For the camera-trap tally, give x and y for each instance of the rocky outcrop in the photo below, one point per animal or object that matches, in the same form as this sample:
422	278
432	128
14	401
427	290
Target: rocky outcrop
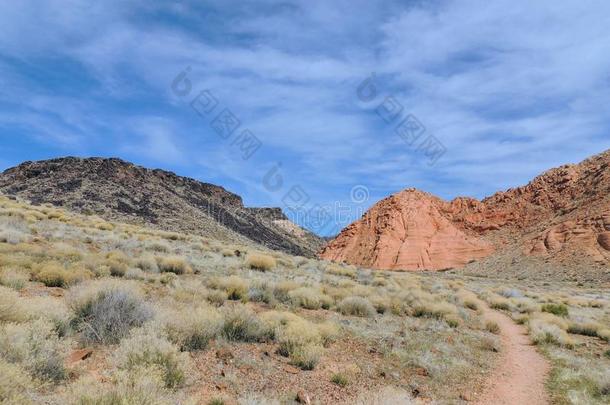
407	231
121	191
563	215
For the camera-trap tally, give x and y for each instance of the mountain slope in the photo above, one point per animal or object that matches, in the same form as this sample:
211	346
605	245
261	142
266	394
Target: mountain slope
118	190
562	216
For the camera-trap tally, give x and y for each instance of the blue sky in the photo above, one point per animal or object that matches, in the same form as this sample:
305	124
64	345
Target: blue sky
509	89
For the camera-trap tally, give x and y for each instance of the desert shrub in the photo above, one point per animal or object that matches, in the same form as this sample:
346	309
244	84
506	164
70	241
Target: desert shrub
55	275
193	329
14	384
296	335
216	297
341	271
492	326
135	274
259	261
228	252
139	386
510	293
235	287
36	347
356	306
170	279
381	304
305	297
546	317
339	379
468	299
117	268
242	325
275	320
174	264
261	291
438	310
13	278
158	246
143	348
604	334
282	289
525	305
147	264
584	328
11	306
105	312
545	333
51	309
385	396
491	344
329	332
556	309
306	357
498	302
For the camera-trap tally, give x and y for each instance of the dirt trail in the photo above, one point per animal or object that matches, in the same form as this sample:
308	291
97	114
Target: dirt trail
519	377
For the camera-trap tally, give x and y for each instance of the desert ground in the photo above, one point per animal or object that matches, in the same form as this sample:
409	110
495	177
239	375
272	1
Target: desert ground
93	312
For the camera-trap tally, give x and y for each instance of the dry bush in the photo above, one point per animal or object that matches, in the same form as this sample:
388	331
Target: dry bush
492	326
135	274
13	278
143	348
14	384
341	271
499	302
525	305
546	333
216	297
385	396
356	306
381	303
235	287
139	386
584	328
36	347
438	310
147	263
228	252
274	320
306	357
468	299
55	275
306	297
193	329
282	289
11	306
105	311
174	264
545	317
329	332
259	261
297	333
604	334
242	325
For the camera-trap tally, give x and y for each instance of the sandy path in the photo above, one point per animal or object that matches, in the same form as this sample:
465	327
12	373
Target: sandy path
519	377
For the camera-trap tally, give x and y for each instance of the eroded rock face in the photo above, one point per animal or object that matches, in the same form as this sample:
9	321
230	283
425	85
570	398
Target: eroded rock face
406	231
121	191
562	215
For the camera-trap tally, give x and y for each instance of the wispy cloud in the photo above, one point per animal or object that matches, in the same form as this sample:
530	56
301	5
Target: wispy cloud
510	88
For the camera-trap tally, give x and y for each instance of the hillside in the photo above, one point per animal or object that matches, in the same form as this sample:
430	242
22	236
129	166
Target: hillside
562	217
121	191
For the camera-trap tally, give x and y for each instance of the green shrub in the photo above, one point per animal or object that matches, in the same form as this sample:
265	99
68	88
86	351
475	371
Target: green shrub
339	379
556	309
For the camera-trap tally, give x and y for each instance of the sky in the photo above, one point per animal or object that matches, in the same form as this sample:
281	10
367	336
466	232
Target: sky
315	106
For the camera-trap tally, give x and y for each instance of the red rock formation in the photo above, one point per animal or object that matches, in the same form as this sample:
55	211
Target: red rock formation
563	214
406	231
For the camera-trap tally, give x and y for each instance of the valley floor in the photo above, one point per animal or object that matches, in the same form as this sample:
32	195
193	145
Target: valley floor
93	312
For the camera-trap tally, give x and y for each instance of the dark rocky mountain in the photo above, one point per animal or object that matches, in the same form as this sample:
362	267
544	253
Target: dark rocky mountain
121	191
